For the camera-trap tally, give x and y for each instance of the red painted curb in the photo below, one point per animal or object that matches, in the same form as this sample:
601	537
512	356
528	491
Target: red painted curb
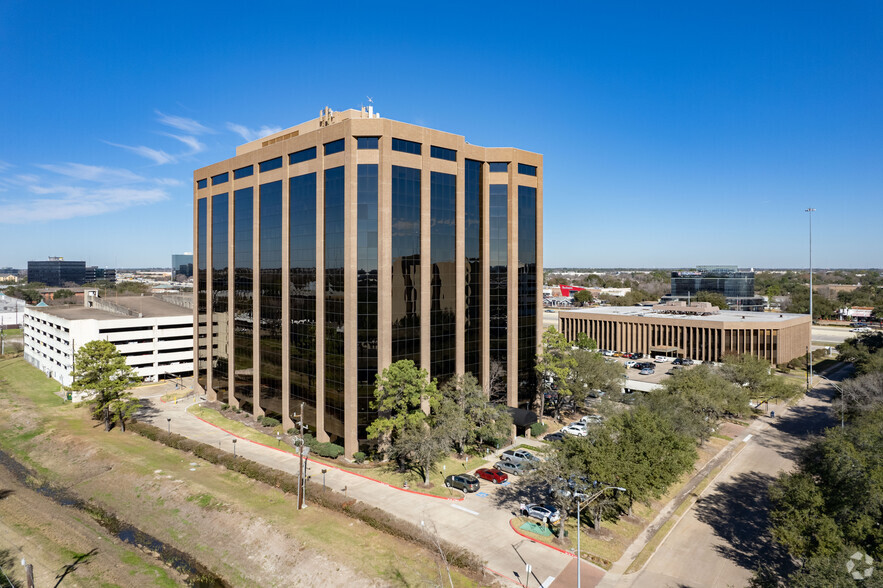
517	532
504	576
321	463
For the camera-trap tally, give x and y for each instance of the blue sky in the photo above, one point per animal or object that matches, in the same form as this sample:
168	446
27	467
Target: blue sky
674	134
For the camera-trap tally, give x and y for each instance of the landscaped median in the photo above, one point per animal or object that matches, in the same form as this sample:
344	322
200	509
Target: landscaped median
385	474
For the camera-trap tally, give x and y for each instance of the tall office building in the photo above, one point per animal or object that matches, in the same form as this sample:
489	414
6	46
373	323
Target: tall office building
327	251
57	272
736	286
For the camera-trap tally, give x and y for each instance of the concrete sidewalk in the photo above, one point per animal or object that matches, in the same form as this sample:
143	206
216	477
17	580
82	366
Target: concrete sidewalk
474	522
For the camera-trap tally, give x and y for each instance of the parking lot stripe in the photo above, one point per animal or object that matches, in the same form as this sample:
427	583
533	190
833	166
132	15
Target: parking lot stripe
464	509
747	437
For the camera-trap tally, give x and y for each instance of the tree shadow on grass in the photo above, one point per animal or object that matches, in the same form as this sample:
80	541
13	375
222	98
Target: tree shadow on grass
79	560
6	493
738	512
7	564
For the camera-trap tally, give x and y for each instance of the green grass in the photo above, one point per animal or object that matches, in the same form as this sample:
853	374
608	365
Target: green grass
12	332
216	492
651	546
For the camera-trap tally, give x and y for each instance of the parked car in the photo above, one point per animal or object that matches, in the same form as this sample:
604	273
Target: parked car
678	361
492	475
606	353
631	364
515	469
519	456
464	482
592	419
660	359
674	369
543	512
647	372
687	361
637	355
576	429
554	437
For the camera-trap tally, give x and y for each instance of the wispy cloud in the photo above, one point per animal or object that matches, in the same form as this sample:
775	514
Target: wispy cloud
93	173
188	125
168	182
66	202
250	134
158	156
195	145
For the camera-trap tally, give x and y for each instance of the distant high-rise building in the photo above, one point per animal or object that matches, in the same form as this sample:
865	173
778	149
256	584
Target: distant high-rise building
57	272
182	265
736	286
327	251
95	274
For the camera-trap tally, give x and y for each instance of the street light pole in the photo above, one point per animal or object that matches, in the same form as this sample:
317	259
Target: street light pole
809	358
580	505
301	485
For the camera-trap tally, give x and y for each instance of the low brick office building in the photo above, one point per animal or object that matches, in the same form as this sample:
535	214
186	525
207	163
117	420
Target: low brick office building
698	331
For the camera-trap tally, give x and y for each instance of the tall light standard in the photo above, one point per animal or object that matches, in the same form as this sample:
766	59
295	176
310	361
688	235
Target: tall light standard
301	470
579	508
809	349
842	400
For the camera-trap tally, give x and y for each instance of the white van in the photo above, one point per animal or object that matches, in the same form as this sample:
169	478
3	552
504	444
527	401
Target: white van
660	359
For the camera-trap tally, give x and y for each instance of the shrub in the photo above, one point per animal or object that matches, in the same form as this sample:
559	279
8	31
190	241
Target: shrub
537	429
359	457
269	421
225	406
330	450
292	431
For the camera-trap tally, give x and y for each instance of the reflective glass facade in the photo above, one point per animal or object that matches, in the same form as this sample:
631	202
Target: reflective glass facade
367	293
302	294
472	251
527	294
732	284
366	233
334	303
243	294
221	337
405	245
499	266
443	281
271	299
201	291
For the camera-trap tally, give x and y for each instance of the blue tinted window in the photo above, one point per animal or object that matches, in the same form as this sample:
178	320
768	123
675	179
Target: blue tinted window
243	172
442	153
220	178
201	183
405	146
271	164
302	155
499	166
527	170
334	147
367	142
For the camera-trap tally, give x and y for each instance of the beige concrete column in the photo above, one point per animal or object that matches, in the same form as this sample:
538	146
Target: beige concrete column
350	302
195	295
384	252
231	287
425	260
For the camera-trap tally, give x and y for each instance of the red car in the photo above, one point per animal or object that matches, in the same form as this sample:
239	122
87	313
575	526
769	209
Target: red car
492	475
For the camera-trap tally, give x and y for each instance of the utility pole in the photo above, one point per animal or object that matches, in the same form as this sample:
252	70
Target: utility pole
301	485
809	349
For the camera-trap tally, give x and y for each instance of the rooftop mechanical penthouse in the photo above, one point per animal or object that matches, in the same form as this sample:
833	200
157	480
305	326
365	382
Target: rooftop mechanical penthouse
328	251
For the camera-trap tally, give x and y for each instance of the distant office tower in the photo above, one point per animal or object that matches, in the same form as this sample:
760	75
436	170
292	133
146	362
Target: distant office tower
57	272
330	250
182	265
737	286
95	273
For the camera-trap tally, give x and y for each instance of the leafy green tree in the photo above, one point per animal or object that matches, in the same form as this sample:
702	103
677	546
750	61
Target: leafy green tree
467	417
757	377
583	341
553	366
99	367
62	294
420	446
400	394
715	298
591	371
583	297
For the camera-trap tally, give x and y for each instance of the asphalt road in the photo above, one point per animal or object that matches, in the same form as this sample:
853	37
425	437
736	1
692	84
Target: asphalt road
725	536
480	522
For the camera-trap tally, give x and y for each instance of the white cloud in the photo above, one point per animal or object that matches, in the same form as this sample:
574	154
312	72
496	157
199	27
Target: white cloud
66	202
94	173
250	134
4	165
188	125
195	145
168	182
158	156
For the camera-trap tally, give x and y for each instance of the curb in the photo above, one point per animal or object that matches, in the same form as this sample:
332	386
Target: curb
564	551
323	464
